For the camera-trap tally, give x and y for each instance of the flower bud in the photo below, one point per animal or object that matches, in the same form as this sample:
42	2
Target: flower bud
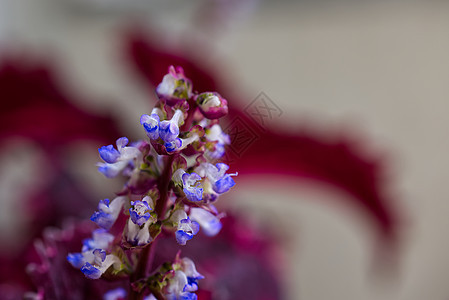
212	105
175	87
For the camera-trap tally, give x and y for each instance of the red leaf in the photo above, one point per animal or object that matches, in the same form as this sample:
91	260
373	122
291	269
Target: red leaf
33	105
309	155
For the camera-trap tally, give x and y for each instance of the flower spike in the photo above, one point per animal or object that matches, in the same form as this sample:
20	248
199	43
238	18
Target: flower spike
171	183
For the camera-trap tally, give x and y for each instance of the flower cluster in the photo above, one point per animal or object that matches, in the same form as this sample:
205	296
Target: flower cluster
173	179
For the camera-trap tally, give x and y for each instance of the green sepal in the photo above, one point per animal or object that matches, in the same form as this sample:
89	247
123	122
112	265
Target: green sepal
179	162
155	229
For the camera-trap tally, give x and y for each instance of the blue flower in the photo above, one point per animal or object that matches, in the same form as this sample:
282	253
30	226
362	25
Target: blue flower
76	260
109	154
116	160
223	181
151	123
140	211
173	145
192	275
186	228
210	224
137	236
192	186
93	260
115	294
224	184
184	282
169	129
91	271
108	212
219	180
100	240
99	256
179	144
176	288
98	263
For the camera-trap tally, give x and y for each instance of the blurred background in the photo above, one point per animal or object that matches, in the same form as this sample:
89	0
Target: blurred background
374	73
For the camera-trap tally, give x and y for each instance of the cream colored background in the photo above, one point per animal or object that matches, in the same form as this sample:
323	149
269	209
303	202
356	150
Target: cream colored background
379	69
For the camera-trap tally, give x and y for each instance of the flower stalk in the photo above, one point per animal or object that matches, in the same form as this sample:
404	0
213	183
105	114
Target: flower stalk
171	186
